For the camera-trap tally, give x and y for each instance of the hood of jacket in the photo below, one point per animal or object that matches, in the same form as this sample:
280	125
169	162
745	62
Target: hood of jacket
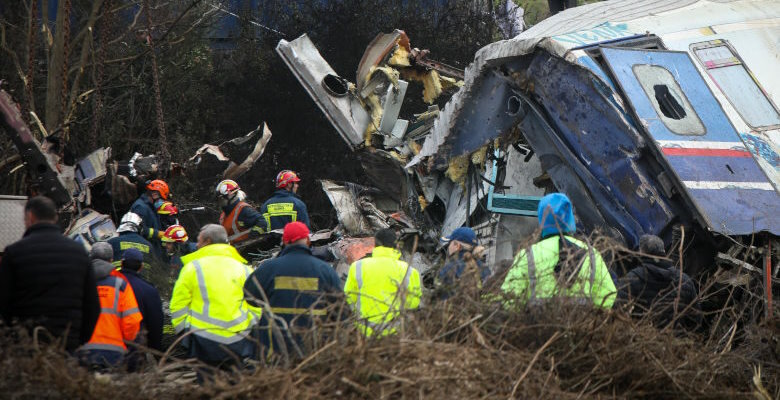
556	214
386	252
102	268
218	249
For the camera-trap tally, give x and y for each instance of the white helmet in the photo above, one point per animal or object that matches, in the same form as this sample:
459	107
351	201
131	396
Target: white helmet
130	222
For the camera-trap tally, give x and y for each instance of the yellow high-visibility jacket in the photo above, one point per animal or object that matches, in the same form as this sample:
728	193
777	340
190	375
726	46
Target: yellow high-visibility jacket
379	287
532	275
208	297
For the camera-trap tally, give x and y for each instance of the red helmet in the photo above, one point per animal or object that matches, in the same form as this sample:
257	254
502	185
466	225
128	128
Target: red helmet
167	208
175	233
159	186
227	188
285	178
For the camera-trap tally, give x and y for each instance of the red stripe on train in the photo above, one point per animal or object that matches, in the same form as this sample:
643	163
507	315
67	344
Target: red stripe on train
681	151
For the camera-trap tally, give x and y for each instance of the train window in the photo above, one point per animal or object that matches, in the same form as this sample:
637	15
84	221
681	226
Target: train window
737	83
668	99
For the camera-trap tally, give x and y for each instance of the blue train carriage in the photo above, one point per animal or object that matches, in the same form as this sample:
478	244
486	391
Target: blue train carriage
653	116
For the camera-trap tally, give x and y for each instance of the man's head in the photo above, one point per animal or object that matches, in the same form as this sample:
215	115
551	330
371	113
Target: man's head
228	193
158	189
463	238
132	259
652	245
556	214
385	238
130	222
212	234
296	233
39	209
101	251
287	180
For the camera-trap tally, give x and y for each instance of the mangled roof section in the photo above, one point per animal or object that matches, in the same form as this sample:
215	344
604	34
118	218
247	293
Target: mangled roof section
585	25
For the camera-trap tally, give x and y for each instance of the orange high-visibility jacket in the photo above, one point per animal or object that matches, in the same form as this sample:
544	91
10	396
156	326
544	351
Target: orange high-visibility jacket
120	319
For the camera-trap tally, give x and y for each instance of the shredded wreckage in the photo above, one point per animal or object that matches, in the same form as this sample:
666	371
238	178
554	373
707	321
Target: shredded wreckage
659	119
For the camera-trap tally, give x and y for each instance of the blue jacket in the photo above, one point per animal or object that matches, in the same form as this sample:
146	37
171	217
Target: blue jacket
182	250
294	282
150	305
144	207
282	208
127	240
453	269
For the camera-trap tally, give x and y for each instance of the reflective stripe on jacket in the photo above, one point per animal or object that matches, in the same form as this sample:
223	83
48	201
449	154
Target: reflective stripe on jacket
379	287
120	318
208	296
533	275
282	208
237	225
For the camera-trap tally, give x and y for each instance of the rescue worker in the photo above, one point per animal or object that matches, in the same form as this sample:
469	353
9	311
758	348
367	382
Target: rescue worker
120	319
463	263
237	217
284	206
177	244
380	286
46	279
147	296
168	214
560	265
208	301
297	286
145	208
653	289
129	238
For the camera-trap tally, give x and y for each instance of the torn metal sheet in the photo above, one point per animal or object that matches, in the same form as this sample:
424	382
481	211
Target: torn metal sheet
92	168
45	179
343	111
348	211
91	227
377	52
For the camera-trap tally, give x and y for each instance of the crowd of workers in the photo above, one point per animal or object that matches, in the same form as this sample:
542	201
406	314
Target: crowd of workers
225	310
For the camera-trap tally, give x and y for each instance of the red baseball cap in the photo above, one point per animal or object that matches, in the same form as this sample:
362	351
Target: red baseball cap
294	231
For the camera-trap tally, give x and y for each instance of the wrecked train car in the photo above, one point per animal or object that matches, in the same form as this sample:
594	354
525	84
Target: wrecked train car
654	117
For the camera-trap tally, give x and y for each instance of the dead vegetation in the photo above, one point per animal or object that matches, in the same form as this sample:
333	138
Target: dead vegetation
464	348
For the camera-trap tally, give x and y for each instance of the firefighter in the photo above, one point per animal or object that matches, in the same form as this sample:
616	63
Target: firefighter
129	229
208	301
560	266
144	207
297	286
168	214
120	318
237	217
177	244
284	206
380	286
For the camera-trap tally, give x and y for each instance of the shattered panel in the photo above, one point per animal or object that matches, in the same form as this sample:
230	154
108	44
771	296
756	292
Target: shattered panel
12	215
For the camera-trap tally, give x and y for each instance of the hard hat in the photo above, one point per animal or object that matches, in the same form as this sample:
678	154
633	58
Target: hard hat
227	188
167	208
159	186
175	233
286	177
130	222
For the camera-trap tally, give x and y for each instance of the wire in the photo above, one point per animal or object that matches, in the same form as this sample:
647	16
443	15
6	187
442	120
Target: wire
250	21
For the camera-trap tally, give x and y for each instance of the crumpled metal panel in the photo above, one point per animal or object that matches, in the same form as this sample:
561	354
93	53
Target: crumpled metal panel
344	112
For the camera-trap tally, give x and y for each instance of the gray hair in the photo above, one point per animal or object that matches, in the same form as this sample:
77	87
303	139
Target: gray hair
652	245
214	233
101	251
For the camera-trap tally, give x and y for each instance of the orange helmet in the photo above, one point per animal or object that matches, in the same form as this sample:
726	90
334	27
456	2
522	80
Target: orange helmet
175	233
285	178
159	186
167	208
227	188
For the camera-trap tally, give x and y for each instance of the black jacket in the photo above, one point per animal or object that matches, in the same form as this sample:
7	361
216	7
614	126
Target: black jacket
150	305
47	279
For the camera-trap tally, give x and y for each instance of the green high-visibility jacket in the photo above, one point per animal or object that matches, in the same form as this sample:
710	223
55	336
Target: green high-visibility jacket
532	275
380	286
208	297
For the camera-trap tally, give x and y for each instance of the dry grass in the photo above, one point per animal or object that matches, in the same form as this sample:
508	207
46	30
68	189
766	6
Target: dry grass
467	347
